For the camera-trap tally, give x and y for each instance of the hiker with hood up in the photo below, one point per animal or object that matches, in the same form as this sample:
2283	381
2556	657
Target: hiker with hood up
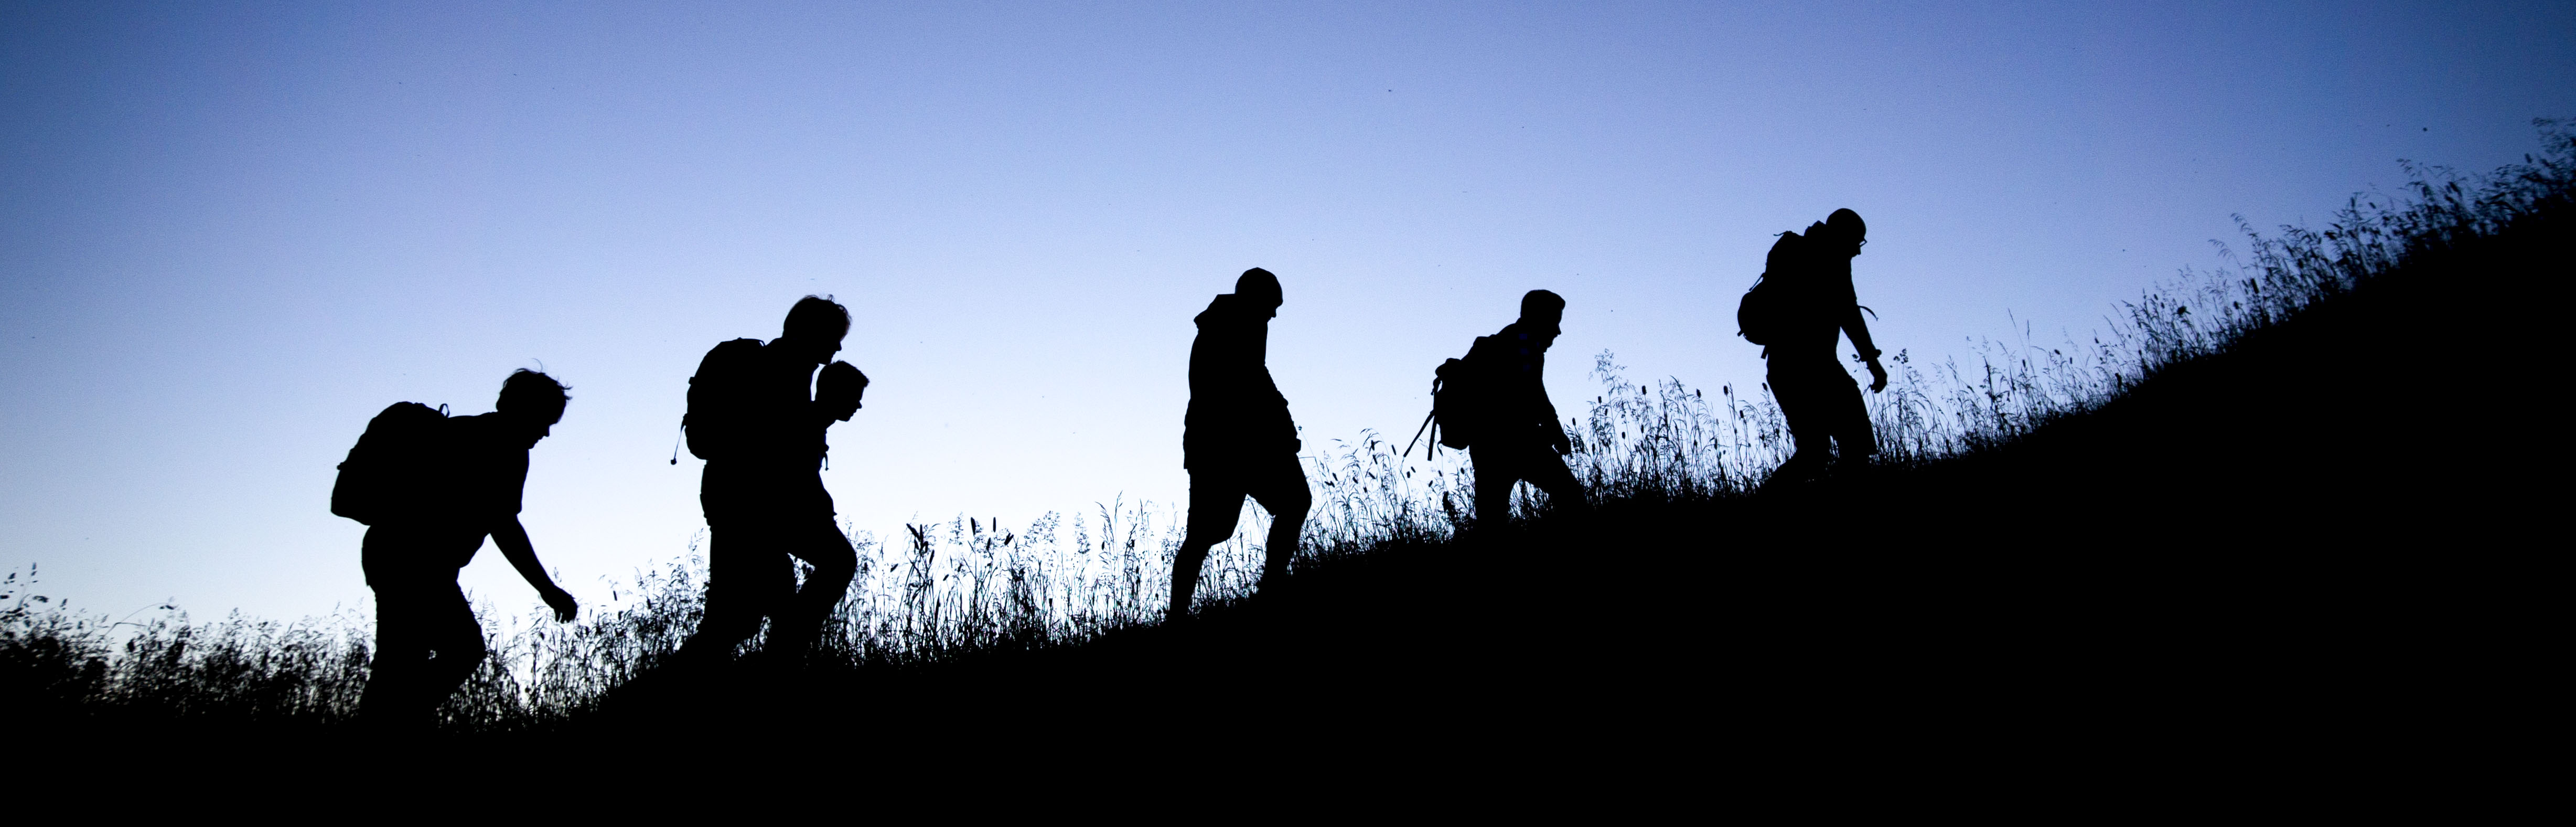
752	419
1804	303
1515	434
1237	439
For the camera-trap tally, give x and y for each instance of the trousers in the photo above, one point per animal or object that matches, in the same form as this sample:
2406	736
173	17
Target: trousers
1499	465
1217	491
427	640
1823	405
758	527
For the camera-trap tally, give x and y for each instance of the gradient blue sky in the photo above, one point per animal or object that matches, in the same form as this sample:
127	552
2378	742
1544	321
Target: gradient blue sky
230	233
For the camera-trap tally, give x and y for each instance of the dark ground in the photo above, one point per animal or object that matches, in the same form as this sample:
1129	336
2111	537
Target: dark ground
2312	548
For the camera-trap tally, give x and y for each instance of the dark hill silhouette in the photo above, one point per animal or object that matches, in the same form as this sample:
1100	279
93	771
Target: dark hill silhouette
2251	544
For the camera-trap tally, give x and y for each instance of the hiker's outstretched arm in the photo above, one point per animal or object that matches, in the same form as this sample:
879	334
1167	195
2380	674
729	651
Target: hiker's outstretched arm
1555	428
513	540
1858	329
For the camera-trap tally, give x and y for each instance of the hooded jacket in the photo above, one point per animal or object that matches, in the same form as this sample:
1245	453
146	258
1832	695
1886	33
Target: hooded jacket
1235	411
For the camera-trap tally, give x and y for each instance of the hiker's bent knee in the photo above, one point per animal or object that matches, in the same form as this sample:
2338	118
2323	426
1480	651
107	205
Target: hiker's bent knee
1289	505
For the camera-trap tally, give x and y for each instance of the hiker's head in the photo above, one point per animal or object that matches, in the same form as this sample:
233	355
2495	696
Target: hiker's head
837	391
1541	310
1845	230
815	327
1259	287
533	399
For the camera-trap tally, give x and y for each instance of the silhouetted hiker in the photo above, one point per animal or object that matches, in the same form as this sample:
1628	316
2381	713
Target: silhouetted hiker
1803	303
1237	439
751	418
430	488
1495	403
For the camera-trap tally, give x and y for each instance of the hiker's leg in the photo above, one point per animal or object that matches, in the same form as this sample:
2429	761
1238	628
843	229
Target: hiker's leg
1854	438
394	675
1547	471
1216	503
747	574
745	567
820	544
1792	386
1497	470
455	640
402	565
1282	491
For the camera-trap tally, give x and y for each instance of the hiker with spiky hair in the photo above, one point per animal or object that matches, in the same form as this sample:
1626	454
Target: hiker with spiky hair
1515	434
431	487
758	419
1803	304
1237	439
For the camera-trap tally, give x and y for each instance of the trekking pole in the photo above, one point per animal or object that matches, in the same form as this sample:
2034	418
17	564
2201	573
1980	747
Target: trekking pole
675	440
1417	435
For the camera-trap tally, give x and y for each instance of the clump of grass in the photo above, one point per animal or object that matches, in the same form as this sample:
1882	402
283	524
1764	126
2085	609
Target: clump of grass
938	592
238	669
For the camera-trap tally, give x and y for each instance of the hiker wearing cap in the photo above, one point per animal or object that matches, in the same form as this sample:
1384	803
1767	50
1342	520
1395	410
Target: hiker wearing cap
1802	305
1237	439
757	415
1516	435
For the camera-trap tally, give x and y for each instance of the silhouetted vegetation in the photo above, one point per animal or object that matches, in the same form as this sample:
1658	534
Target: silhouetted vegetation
2180	495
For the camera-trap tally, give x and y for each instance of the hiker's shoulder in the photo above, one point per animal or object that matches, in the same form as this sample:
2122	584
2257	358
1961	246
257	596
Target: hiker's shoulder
1220	310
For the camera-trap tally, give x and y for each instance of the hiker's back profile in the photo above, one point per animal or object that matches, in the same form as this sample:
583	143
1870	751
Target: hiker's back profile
430	488
1803	304
1237	439
757	418
1494	402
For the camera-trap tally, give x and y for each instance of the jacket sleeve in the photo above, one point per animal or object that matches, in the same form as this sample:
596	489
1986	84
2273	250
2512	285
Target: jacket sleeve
1542	407
1847	304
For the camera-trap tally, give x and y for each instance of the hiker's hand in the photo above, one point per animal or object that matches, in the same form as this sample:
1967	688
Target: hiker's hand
561	602
1877	376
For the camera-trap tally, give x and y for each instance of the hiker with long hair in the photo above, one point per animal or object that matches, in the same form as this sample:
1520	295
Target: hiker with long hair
758	418
1512	431
1237	439
1802	305
431	487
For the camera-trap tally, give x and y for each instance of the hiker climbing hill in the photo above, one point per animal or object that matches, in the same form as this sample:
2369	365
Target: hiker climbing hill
1803	303
757	416
1237	439
1493	402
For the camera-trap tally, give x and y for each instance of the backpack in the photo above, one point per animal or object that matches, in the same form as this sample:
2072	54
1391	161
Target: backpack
1458	406
1769	308
713	422
392	472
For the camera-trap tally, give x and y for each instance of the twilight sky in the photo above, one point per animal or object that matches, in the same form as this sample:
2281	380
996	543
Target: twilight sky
230	234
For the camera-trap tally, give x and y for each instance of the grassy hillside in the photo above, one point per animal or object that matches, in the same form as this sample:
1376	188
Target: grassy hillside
2290	520
2269	506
